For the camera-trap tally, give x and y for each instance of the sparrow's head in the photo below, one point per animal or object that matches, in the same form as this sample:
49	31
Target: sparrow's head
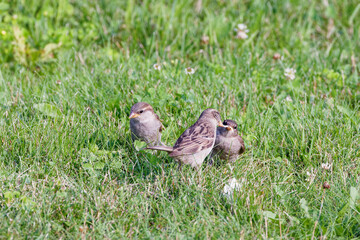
230	125
141	110
212	115
229	128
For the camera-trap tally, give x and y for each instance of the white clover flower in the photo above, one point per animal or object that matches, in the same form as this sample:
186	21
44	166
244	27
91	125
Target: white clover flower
241	27
290	73
189	71
241	31
241	35
231	186
311	176
288	99
326	166
205	39
157	66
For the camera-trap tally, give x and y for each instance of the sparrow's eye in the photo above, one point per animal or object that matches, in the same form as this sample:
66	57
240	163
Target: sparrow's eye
141	111
235	127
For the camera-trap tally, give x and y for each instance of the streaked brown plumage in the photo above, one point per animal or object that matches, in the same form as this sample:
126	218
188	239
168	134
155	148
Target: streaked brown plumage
145	124
228	144
196	142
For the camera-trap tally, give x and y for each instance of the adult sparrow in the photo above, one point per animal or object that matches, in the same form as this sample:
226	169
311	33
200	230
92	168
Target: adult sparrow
228	144
145	124
197	141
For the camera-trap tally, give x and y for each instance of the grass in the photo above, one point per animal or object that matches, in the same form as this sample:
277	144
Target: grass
67	167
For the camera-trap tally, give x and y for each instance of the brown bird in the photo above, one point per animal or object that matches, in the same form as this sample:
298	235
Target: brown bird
228	144
196	142
145	124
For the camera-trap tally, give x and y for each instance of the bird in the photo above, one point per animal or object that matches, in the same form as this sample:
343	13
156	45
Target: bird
228	144
145	124
196	142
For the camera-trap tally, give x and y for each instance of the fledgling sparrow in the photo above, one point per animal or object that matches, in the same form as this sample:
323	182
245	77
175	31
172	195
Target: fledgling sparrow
197	141
228	144
145	124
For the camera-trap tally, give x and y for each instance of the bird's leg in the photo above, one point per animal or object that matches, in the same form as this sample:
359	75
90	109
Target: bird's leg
211	157
180	166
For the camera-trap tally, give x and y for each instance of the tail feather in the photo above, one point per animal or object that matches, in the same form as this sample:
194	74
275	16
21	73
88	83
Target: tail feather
161	148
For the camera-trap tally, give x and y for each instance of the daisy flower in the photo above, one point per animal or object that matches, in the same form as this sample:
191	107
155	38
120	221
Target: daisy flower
231	186
288	99
189	71
157	66
326	166
290	73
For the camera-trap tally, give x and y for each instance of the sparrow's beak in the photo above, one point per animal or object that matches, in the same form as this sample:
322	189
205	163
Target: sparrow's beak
134	115
228	128
220	124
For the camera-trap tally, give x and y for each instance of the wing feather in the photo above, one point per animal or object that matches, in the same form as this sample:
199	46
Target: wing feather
161	125
242	149
196	138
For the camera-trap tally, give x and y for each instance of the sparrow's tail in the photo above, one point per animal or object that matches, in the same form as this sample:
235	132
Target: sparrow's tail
161	148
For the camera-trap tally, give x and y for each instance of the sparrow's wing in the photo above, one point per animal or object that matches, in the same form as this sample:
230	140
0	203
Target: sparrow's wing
196	138
161	125
242	149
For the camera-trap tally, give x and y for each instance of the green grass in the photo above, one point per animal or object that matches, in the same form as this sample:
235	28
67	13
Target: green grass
67	167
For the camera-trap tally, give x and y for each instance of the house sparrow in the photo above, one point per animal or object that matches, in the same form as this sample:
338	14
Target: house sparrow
228	144
196	142
145	125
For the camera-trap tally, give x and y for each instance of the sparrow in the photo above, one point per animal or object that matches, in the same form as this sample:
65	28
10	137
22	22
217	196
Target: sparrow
196	142
228	144
145	124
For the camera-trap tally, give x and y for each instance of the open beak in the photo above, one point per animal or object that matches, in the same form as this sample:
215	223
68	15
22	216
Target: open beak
133	115
228	128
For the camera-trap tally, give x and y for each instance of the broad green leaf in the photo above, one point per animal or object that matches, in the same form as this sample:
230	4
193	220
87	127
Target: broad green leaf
344	110
99	165
11	195
94	148
139	145
27	202
354	195
116	165
4	6
269	214
48	109
303	205
87	166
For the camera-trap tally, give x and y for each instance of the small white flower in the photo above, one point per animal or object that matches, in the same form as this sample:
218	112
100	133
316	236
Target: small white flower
288	99
205	39
3	32
189	71
242	27
241	31
157	66
326	166
241	35
311	176
231	186
290	73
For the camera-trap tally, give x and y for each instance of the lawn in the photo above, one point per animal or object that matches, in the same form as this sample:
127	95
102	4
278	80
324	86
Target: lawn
70	70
